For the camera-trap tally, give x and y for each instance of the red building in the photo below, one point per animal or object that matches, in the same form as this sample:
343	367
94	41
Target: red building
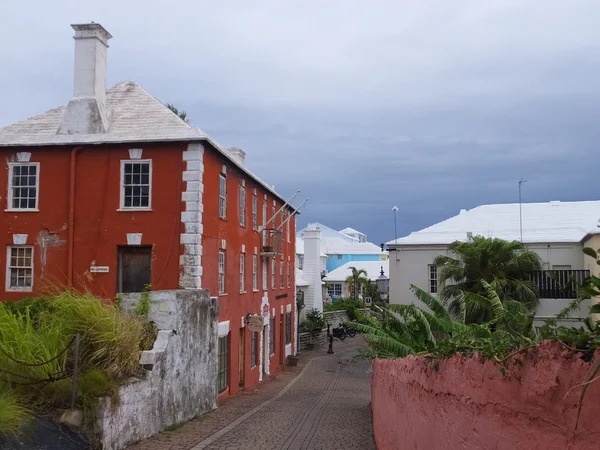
114	191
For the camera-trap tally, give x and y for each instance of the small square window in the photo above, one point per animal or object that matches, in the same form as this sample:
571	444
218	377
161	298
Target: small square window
136	184
19	268
23	186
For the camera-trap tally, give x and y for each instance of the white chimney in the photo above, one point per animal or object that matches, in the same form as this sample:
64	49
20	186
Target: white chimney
313	297
238	155
86	112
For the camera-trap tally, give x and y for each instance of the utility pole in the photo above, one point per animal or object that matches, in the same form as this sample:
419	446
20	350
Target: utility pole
395	209
521	181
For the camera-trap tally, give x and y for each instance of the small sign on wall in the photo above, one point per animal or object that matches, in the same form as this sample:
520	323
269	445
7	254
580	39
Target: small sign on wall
368	301
255	323
99	269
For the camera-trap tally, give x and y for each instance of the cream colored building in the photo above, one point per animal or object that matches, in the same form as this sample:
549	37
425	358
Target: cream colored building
556	231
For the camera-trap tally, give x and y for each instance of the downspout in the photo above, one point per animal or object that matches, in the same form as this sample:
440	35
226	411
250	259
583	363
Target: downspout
71	244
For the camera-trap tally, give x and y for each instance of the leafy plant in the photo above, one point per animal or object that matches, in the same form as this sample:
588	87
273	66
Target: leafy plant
506	266
14	414
356	280
181	114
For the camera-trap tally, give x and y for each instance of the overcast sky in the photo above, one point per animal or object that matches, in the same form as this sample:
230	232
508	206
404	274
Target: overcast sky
432	106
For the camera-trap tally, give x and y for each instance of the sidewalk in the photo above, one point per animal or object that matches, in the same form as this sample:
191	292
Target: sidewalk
324	402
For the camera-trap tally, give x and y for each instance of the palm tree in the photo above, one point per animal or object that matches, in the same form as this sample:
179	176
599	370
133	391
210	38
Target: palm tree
505	266
399	330
357	280
182	114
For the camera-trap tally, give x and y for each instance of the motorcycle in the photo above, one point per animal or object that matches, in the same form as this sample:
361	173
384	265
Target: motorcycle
349	330
339	332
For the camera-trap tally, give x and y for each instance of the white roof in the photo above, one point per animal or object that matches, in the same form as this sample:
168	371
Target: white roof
373	269
300	248
349	230
133	116
542	223
300	281
332	246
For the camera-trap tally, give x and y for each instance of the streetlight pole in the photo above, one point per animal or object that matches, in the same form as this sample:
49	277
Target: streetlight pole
521	181
395	209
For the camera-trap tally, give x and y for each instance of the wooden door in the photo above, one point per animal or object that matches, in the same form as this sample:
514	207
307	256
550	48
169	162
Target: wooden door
135	268
241	357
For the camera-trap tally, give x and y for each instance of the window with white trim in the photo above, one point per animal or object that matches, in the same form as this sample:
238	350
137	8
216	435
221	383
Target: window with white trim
222	196
221	271
272	336
254	212
242	272
288	328
334	290
136	184
19	268
281	274
433	280
272	273
23	185
300	262
288	224
223	367
254	272
253	352
264	274
288	274
242	206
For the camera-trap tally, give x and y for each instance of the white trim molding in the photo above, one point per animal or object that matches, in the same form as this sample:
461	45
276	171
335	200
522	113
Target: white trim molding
134	238
135	153
19	239
191	259
9	196
122	206
223	328
10	288
23	156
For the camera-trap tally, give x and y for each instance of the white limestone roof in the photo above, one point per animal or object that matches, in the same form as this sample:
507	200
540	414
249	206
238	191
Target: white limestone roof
349	230
134	116
300	248
373	269
542	223
333	246
300	281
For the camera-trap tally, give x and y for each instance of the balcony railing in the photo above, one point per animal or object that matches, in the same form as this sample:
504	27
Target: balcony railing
559	283
272	240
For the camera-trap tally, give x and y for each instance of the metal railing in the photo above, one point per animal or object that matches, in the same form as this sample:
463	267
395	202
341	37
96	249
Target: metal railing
559	283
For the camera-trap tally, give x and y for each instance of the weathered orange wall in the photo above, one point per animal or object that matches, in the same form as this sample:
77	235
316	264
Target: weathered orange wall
99	227
234	305
469	404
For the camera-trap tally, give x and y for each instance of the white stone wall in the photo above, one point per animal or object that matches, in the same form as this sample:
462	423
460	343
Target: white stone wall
182	369
191	239
313	297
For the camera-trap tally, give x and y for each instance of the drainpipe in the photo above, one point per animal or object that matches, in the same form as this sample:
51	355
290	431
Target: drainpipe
71	244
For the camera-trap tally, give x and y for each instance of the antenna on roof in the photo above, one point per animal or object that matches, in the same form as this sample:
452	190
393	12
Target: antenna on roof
395	210
521	181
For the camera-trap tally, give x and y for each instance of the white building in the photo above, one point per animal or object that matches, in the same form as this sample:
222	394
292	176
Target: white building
360	237
336	285
556	231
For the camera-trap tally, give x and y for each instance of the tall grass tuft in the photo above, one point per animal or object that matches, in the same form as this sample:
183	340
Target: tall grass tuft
14	414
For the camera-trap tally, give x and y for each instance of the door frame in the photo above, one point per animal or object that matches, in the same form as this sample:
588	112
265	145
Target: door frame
119	271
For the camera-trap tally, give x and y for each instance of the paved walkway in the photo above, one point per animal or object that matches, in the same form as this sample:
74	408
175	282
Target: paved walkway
324	403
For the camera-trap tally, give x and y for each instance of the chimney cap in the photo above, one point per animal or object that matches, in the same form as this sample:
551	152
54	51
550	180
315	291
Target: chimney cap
90	31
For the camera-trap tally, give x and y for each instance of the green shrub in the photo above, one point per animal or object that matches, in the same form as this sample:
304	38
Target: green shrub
342	304
14	414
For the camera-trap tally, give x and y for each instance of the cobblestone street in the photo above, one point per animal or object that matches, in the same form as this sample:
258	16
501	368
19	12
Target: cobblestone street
324	403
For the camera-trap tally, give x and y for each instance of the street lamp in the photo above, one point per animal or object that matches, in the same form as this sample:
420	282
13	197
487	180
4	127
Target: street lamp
383	284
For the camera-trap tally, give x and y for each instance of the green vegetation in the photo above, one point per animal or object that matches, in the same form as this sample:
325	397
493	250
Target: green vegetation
349	305
504	265
181	114
356	281
37	357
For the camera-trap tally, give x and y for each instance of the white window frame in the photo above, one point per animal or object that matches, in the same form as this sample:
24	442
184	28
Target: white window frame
288	224
242	272
280	274
273	273
264	274
10	288
122	206
222	262
10	197
432	276
300	262
254	212
255	273
242	206
222	196
288	274
333	289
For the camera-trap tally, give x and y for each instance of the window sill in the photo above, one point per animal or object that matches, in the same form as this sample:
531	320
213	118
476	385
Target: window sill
19	290
254	290
134	210
243	292
21	210
223	294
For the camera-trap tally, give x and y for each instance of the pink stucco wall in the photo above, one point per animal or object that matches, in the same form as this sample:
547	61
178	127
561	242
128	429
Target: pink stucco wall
469	404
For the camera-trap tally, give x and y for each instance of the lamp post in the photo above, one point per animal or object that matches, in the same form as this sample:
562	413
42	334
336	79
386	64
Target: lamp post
383	284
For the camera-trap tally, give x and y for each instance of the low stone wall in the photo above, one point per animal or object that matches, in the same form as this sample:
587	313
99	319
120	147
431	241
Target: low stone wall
469	404
317	339
182	369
